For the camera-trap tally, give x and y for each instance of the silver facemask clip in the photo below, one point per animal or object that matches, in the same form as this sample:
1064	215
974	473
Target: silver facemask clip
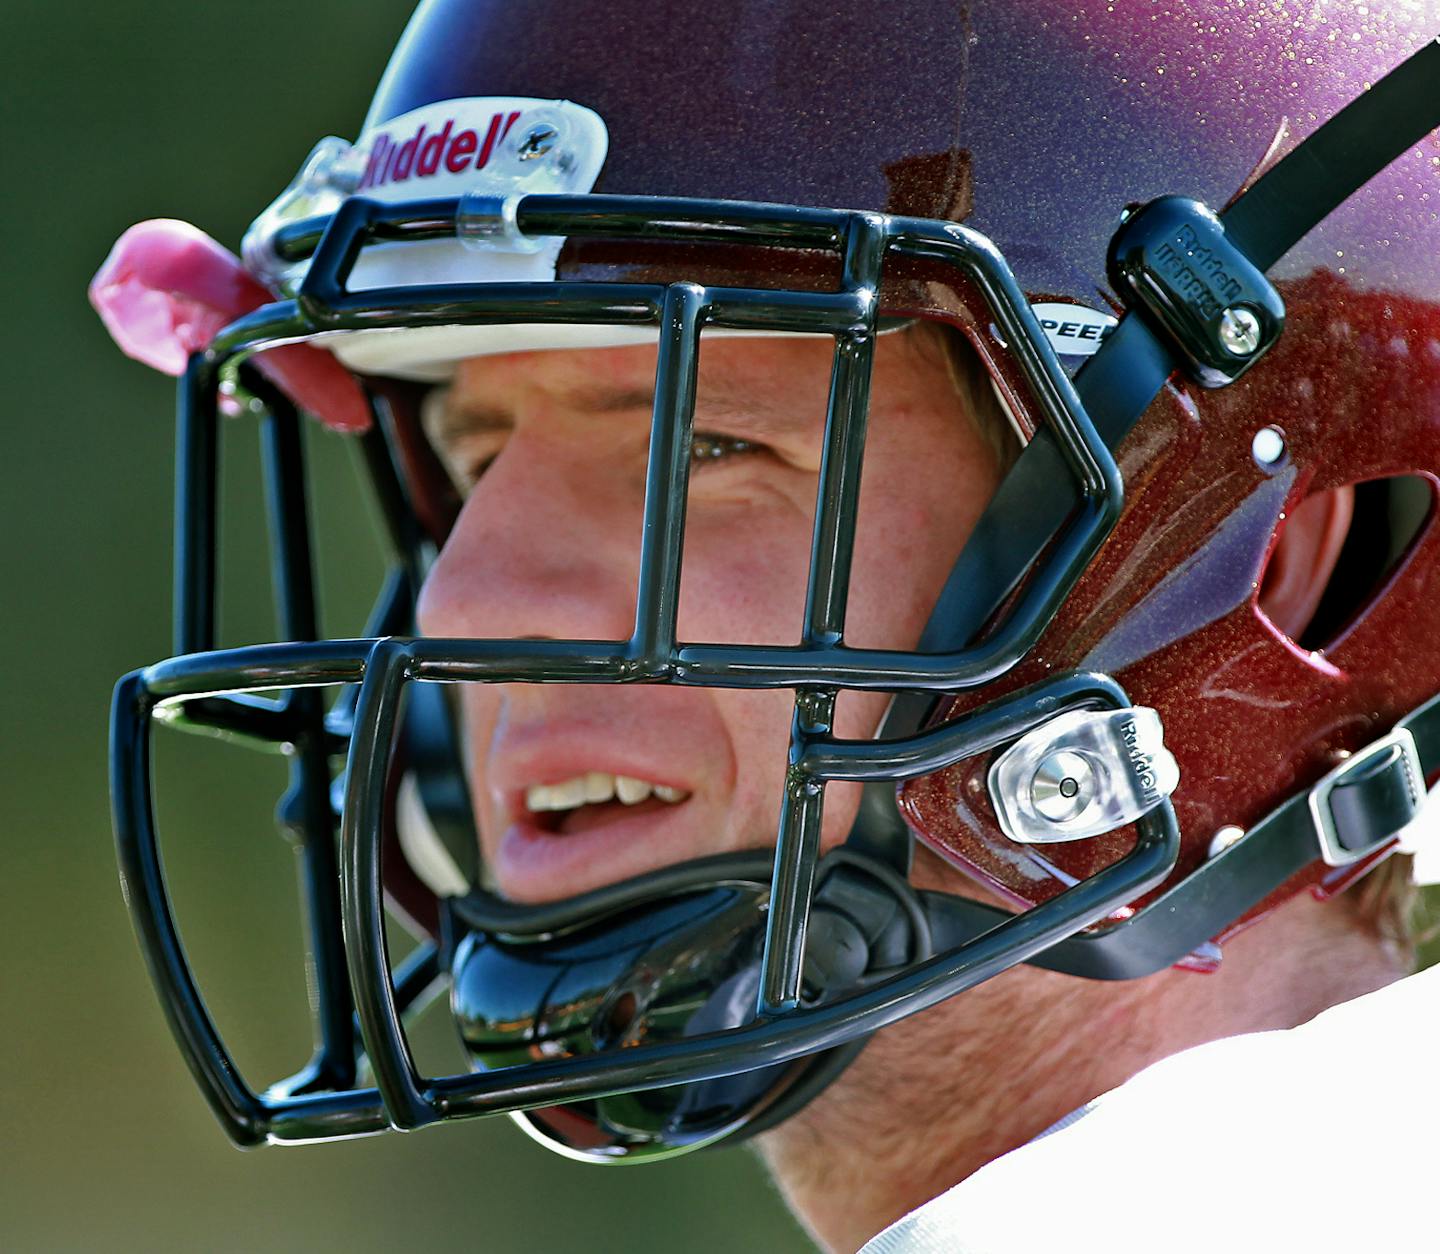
1082	774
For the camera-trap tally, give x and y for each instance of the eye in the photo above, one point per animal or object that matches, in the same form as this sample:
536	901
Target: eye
465	447
473	470
467	460
707	448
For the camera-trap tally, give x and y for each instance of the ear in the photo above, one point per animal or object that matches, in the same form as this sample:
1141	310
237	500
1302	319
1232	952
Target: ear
1304	558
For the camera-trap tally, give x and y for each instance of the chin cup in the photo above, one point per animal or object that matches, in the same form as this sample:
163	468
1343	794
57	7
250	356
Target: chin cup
679	965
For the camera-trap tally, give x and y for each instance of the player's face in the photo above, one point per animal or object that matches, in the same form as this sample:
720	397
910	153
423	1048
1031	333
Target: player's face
554	445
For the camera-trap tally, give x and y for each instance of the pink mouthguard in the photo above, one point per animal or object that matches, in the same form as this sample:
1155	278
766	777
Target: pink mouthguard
166	289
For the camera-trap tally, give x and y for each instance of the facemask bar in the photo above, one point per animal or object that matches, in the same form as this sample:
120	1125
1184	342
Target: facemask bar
216	689
402	1098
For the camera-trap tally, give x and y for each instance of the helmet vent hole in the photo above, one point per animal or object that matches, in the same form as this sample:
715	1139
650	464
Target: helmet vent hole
1387	519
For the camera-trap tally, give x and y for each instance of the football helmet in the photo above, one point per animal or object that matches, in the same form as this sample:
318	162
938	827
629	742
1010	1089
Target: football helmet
1194	248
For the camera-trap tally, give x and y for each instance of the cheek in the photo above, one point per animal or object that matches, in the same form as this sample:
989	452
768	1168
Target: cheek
915	515
743	582
758	724
903	553
480	708
746	565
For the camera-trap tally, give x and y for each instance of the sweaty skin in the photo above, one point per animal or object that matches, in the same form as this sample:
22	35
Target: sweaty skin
554	448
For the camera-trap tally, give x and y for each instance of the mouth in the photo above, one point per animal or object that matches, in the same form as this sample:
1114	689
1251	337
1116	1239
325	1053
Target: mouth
575	834
596	799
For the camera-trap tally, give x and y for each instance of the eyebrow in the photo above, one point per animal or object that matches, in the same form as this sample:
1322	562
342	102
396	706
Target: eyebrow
717	401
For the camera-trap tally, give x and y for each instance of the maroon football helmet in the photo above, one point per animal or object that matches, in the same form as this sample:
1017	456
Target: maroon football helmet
1204	290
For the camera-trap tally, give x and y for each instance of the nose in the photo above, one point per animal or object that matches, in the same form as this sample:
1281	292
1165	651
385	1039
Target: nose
547	543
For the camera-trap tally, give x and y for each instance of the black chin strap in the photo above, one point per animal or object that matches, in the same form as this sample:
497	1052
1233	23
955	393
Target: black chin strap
1297	193
1035	499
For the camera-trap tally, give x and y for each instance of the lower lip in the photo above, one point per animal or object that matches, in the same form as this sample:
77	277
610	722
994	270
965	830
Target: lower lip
532	864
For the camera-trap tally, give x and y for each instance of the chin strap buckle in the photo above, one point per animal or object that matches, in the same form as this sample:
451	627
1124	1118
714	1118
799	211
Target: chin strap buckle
1366	801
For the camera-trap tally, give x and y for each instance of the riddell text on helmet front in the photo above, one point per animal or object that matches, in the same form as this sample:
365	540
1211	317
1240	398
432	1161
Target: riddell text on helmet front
424	153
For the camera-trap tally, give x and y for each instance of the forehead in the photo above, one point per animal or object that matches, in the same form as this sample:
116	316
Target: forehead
757	361
734	372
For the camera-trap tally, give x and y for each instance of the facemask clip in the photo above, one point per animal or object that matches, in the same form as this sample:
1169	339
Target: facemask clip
1172	260
1082	774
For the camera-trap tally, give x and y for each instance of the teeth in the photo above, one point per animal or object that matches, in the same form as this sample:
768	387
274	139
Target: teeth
599	786
564	796
596	787
631	790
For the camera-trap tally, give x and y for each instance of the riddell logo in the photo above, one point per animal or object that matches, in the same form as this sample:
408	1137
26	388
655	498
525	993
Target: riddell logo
1141	762
423	155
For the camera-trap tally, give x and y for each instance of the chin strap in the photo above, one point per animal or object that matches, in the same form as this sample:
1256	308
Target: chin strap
1372	804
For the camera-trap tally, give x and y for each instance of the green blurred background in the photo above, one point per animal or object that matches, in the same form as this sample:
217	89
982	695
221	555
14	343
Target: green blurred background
118	111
